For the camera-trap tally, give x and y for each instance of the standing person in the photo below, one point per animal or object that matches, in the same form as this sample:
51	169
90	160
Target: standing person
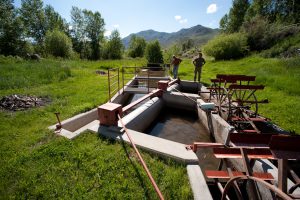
175	62
198	63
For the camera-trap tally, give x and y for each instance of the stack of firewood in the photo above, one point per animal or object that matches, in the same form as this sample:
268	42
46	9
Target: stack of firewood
20	102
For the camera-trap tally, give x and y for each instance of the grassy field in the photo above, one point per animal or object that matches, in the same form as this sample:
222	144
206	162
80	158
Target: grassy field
35	163
281	78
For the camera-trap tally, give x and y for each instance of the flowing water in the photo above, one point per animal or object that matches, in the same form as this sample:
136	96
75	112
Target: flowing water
184	127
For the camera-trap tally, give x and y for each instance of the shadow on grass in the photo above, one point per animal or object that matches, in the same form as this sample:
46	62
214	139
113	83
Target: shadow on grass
141	180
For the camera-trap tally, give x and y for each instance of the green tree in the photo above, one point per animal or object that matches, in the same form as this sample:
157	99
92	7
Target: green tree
77	31
224	23
53	20
233	21
58	44
11	30
137	46
87	32
187	45
283	11
94	28
153	52
116	45
33	17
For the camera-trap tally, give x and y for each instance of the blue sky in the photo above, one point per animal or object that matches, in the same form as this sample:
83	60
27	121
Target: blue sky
132	16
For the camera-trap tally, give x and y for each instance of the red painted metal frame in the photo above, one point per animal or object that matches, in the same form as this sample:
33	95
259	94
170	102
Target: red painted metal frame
226	175
251	138
246	87
252	153
197	145
285	147
277	191
248	119
173	82
235	77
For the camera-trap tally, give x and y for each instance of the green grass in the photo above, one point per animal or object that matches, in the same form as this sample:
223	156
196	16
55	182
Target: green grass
35	163
280	76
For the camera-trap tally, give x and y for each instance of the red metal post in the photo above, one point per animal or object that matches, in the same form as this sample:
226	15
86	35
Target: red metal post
142	161
108	78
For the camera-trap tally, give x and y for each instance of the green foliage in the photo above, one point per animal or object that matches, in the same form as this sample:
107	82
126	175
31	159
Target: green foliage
137	46
33	17
173	50
283	11
280	76
77	30
87	29
58	44
113	49
153	52
225	47
53	21
233	21
36	163
11	30
94	31
288	47
15	74
186	45
263	35
259	19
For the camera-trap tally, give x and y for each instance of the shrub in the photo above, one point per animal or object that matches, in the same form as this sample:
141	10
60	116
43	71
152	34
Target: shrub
173	50
263	35
288	47
58	44
137	47
153	52
227	46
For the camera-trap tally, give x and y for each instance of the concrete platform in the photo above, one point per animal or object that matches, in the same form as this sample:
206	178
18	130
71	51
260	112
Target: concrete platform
132	90
159	146
71	135
198	183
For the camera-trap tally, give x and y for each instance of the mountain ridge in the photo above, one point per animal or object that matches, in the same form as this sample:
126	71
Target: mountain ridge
198	34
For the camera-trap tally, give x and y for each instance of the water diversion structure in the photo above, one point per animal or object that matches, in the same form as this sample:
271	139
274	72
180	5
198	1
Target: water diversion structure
230	151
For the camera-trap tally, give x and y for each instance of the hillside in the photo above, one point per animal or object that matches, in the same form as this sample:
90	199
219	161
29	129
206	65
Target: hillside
199	34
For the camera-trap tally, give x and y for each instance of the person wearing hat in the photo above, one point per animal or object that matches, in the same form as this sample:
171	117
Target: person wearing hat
198	63
175	62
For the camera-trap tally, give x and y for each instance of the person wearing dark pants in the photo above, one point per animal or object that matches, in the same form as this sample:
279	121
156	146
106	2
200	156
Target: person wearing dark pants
198	63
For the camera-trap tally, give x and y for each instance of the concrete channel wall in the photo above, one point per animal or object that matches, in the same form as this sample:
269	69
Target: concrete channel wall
221	131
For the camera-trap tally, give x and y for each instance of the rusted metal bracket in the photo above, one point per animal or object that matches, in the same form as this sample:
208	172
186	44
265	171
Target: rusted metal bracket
58	126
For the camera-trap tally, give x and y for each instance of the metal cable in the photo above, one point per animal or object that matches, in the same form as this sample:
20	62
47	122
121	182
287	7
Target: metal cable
185	95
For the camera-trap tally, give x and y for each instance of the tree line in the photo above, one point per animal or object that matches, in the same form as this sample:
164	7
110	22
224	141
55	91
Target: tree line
255	26
35	28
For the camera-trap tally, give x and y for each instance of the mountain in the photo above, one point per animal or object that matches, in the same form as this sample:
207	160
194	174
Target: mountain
198	34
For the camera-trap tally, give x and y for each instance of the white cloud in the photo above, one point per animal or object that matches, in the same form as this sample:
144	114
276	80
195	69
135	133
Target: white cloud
107	33
177	17
116	25
212	8
183	21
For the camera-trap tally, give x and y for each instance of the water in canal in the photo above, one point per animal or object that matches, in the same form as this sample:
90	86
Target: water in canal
184	127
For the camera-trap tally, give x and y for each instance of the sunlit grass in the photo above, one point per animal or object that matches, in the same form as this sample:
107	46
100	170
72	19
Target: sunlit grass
280	76
35	163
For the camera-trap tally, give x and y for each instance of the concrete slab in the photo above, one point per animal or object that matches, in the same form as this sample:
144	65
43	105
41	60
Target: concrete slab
162	147
71	135
198	183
